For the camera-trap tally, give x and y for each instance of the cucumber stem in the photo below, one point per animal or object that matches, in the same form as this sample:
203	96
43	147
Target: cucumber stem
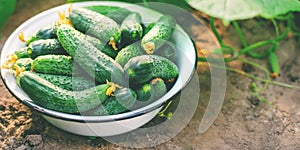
240	33
276	27
267	72
248	49
162	112
245	44
257	78
255	46
214	30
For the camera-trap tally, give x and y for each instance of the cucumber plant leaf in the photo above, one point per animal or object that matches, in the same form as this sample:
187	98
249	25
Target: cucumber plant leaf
230	10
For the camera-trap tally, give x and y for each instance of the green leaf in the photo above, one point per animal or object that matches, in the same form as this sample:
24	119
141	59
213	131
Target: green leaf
244	9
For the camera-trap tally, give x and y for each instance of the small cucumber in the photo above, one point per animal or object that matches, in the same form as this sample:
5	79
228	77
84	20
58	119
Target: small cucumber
47	95
55	64
131	28
95	24
152	91
45	47
118	14
159	34
93	61
129	52
22	53
47	32
122	101
68	82
143	68
23	63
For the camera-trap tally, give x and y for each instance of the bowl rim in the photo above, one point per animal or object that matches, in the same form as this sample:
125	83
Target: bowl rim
108	118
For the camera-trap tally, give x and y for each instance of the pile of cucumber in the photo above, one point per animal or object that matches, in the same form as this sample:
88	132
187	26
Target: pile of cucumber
105	62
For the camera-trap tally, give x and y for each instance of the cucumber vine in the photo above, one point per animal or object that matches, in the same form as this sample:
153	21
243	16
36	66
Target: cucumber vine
249	51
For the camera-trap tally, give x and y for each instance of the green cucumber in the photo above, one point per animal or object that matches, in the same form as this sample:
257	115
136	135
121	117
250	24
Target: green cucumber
93	61
131	28
129	52
152	91
47	32
68	82
95	24
148	28
143	68
122	101
55	64
45	47
22	53
103	47
23	63
118	14
159	34
47	95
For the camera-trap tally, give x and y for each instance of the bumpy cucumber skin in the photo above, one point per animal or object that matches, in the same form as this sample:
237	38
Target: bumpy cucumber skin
152	91
47	95
131	28
93	61
116	13
95	24
143	68
122	101
23	63
103	47
45	47
129	52
159	34
54	64
22	53
68	82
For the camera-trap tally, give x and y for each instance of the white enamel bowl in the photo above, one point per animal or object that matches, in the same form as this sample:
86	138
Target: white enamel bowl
100	125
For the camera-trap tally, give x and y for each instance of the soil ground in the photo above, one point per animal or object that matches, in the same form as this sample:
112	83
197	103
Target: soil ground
243	123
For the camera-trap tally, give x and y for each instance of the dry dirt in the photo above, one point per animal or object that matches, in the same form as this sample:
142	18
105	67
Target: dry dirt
243	123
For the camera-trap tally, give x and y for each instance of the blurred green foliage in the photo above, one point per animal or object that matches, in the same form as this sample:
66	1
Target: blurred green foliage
179	3
7	7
